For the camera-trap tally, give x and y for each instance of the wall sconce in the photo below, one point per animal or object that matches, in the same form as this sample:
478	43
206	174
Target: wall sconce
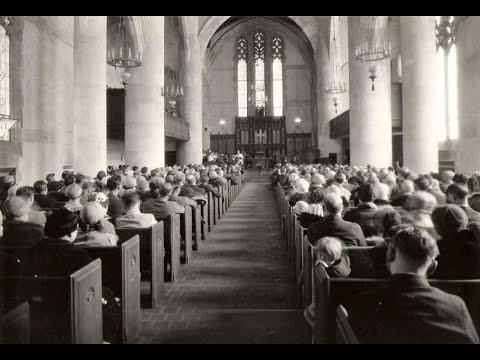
222	122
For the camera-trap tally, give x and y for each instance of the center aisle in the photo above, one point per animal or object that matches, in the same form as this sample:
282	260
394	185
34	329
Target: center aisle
236	288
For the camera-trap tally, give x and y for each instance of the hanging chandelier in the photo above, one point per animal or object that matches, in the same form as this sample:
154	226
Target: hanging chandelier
122	54
335	85
172	89
373	45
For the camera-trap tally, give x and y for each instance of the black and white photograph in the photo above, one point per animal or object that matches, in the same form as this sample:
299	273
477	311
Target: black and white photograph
239	179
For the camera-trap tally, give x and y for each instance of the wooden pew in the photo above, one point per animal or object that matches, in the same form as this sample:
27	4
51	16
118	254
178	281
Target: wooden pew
81	323
331	292
121	274
211	211
308	262
186	235
197	227
224	198
218	206
204	219
172	246
15	325
344	334
152	254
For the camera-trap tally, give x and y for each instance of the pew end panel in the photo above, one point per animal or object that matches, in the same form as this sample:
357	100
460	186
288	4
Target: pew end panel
345	333
86	304
15	325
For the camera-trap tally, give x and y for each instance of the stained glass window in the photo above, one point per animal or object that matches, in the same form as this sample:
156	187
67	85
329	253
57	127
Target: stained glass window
4	73
277	75
260	70
445	27
242	55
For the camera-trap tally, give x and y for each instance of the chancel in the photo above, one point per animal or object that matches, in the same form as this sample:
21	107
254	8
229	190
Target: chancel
239	179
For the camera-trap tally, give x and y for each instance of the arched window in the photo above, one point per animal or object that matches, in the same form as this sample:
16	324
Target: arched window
253	75
447	77
277	76
5	101
259	70
242	78
4	69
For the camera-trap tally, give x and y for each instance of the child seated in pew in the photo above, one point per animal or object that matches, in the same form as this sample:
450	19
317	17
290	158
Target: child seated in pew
328	252
95	229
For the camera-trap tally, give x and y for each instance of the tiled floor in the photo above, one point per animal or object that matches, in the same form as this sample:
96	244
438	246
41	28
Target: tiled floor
236	288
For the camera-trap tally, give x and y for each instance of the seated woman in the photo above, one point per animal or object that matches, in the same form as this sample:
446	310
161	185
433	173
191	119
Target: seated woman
17	230
419	207
459	251
74	193
96	230
314	212
328	252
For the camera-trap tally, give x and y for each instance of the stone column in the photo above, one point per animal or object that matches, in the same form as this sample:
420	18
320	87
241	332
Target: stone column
44	103
419	109
468	65
190	152
370	111
89	94
144	104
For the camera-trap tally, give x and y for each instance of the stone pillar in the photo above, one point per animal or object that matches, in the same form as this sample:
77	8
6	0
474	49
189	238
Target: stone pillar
144	104
44	103
370	111
419	109
89	94
468	65
190	152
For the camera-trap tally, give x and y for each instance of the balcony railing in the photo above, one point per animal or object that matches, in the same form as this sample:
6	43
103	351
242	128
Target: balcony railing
176	127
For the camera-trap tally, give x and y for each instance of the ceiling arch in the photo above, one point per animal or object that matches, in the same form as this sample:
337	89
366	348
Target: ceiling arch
313	27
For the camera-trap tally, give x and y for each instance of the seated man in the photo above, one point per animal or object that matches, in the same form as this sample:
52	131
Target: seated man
134	218
34	216
54	192
333	225
204	179
18	231
41	200
115	206
366	209
459	250
191	182
161	207
407	309
458	194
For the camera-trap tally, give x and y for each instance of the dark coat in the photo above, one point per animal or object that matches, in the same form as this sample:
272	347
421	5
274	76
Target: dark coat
340	268
20	233
44	201
459	257
306	219
349	233
210	189
408	310
115	207
196	188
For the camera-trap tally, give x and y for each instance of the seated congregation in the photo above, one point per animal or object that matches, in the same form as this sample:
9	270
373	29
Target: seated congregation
383	255
74	252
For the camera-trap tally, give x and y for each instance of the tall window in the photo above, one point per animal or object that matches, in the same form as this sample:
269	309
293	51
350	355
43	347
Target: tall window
252	73
447	77
4	76
4	71
242	55
277	69
260	70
